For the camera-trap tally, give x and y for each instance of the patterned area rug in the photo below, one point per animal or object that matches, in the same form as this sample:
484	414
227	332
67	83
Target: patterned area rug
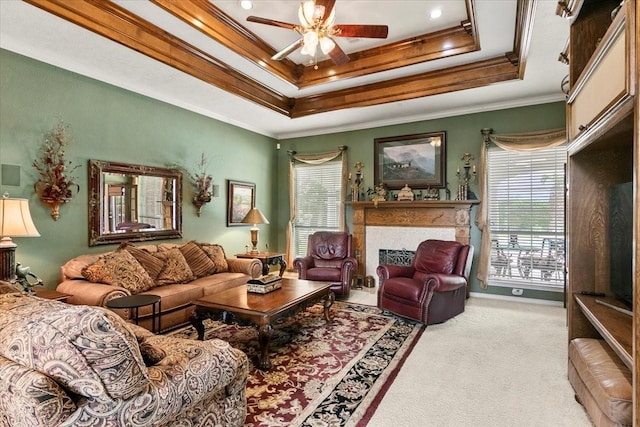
322	374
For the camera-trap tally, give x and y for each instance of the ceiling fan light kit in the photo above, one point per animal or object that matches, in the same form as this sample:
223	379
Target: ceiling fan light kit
317	28
310	14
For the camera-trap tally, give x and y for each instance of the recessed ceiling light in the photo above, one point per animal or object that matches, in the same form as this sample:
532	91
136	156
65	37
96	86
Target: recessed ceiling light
246	4
436	13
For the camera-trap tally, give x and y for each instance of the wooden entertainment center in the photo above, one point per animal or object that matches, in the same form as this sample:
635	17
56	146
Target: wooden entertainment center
604	147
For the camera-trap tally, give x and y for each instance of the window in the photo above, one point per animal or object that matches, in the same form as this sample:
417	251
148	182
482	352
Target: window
526	217
151	192
317	201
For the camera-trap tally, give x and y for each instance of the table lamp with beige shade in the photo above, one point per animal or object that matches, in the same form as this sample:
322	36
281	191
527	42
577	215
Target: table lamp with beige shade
15	221
255	217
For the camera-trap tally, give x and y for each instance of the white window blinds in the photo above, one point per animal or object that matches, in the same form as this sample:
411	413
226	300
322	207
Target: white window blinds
526	216
317	201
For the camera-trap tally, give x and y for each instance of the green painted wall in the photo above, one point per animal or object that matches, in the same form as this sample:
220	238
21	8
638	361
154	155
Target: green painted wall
108	123
463	135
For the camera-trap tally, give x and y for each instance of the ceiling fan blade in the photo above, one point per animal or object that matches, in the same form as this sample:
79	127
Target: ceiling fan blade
338	56
328	7
355	30
271	22
287	50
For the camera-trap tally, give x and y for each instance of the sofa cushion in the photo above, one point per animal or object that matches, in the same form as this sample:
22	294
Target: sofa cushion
324	274
217	255
201	265
88	350
174	295
176	269
220	282
119	268
152	264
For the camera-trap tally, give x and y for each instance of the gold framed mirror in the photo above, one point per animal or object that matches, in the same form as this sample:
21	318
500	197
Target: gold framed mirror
133	203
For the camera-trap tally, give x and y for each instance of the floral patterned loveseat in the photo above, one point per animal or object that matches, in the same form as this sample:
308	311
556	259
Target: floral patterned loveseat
66	365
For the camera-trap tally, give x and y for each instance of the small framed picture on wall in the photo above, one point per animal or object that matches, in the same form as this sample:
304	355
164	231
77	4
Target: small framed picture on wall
241	198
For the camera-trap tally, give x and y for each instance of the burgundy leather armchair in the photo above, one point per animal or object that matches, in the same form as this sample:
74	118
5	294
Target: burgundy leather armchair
329	258
433	288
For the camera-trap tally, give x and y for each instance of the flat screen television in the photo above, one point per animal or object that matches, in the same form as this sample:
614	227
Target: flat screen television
621	241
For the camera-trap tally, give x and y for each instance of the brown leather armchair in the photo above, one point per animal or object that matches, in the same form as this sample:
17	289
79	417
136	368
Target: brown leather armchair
433	288
329	258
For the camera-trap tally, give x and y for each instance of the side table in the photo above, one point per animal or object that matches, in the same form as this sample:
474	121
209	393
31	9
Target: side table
51	294
267	259
134	302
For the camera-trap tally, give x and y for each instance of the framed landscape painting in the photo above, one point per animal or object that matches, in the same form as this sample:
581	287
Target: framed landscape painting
242	197
418	161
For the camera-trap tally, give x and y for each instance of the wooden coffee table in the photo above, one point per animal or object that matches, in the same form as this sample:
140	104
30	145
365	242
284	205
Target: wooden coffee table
261	310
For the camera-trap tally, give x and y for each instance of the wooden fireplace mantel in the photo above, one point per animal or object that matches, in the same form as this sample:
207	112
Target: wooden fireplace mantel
424	213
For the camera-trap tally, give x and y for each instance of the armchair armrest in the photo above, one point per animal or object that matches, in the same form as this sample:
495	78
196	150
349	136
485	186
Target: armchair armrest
84	292
386	271
348	265
302	264
438	282
252	267
206	381
213	364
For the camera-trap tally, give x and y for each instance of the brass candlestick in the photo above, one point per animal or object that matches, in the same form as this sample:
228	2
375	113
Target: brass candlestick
468	175
355	187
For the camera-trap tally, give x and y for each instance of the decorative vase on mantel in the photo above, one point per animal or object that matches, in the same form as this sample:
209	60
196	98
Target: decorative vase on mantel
201	199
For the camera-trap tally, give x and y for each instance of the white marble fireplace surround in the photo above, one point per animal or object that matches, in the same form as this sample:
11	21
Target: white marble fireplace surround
398	238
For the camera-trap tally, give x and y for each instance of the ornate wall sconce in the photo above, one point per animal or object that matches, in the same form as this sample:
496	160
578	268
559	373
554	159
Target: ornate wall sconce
202	183
56	182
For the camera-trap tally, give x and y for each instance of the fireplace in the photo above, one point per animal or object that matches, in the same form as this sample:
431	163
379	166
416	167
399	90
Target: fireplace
401	226
395	256
396	240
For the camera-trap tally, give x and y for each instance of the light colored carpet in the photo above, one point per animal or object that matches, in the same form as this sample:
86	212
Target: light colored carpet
500	363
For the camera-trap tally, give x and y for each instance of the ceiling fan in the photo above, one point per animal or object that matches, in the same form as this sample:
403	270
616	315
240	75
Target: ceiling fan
317	29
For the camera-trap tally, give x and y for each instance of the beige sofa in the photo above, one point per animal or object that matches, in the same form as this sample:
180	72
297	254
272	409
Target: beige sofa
66	365
179	273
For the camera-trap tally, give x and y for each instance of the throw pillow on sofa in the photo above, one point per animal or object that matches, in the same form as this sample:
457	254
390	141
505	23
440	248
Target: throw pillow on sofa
217	255
152	264
201	265
176	269
119	268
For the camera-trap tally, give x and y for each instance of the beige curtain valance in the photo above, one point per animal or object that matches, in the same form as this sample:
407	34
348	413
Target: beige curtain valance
316	158
529	141
516	142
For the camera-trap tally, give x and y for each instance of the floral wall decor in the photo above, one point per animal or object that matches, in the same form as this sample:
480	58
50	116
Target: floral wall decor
55	183
202	184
